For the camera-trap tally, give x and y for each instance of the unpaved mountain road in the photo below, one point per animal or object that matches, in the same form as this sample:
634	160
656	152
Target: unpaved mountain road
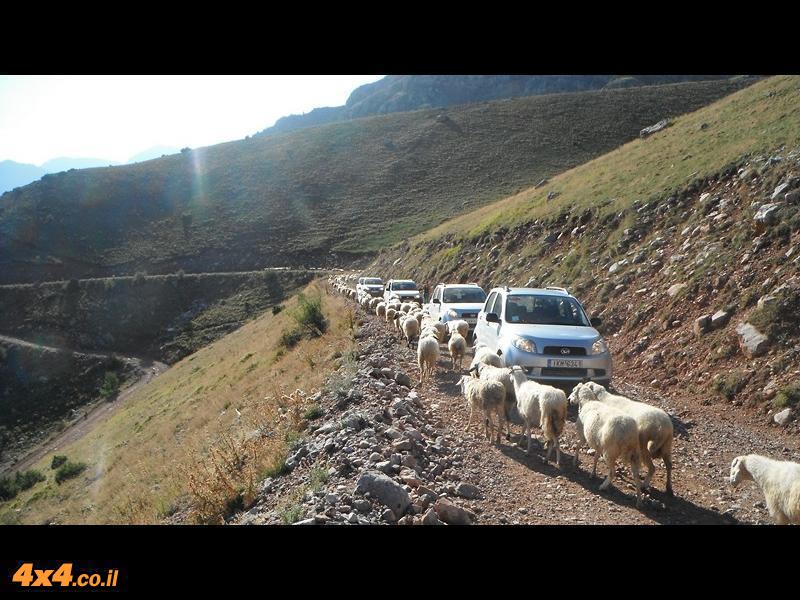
520	489
147	369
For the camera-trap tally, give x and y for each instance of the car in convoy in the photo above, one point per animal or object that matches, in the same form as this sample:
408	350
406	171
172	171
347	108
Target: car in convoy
403	289
457	301
370	285
545	331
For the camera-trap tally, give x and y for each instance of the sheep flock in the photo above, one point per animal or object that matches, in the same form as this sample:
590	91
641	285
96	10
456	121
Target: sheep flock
612	426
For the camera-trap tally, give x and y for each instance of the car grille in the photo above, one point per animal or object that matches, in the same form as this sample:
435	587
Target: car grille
573	350
563	372
469	315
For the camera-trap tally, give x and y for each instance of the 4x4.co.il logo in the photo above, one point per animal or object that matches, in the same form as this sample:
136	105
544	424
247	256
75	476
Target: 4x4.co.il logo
28	576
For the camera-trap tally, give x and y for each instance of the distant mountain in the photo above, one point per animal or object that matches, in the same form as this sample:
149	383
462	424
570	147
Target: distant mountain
151	153
14	174
400	93
64	163
319	196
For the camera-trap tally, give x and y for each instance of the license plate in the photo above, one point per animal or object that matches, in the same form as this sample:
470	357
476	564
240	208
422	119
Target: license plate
561	362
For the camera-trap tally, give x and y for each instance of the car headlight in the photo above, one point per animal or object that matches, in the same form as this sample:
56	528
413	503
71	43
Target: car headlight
525	345
599	347
452	314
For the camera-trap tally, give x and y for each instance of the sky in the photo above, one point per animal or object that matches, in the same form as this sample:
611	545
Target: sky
114	117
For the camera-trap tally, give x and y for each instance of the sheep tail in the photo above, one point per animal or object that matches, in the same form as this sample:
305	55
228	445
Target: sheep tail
655	447
550	426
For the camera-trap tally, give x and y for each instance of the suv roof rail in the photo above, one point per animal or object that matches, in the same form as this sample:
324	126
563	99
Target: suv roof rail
556	288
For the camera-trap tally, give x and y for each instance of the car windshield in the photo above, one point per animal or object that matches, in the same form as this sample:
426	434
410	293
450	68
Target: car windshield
404	285
373	281
544	310
466	295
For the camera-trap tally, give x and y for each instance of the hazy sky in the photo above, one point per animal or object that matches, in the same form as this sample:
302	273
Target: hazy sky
116	116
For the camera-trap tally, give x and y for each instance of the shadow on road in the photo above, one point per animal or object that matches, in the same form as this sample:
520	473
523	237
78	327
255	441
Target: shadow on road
676	510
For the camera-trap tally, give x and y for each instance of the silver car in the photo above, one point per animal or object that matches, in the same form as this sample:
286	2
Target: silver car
370	285
547	333
457	301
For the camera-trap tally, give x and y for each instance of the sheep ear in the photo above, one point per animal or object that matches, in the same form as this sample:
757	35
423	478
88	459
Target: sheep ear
585	380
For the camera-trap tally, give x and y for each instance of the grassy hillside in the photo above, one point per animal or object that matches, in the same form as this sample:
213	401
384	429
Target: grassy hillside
653	236
198	437
292	199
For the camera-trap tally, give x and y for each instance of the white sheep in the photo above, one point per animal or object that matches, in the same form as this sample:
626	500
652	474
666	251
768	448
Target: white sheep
462	327
655	430
503	375
484	355
457	347
543	406
398	321
405	307
380	310
390	313
427	356
410	329
779	480
488	396
608	431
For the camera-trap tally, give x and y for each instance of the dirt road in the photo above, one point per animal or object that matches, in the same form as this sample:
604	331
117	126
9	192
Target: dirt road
147	369
522	489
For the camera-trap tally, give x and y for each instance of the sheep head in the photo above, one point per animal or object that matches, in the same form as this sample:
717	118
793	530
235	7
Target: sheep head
581	394
739	471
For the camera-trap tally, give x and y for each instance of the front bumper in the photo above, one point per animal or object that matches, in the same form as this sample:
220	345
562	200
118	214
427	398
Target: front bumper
542	368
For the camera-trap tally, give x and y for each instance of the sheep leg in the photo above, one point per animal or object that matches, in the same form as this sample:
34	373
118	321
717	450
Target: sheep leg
612	464
500	419
594	467
637	482
488	426
651	468
558	453
553	445
471	411
575	458
528	435
668	465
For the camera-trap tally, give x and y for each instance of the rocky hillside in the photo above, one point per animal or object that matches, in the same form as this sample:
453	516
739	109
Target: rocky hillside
320	196
685	243
162	316
399	93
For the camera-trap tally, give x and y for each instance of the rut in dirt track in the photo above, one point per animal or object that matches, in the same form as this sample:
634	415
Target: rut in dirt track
517	488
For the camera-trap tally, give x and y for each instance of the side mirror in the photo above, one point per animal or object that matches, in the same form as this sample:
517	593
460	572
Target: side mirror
436	301
596	321
492	318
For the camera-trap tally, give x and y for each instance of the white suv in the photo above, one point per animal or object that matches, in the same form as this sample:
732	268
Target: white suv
404	289
457	301
546	332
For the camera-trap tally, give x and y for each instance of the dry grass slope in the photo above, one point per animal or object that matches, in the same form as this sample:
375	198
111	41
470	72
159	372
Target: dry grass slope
181	444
